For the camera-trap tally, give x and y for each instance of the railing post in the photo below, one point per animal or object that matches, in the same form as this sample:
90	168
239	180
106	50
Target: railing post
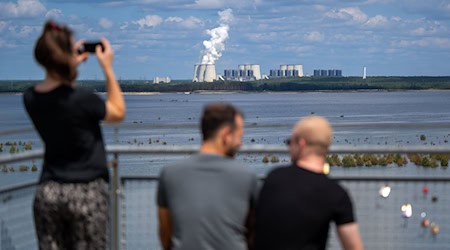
116	190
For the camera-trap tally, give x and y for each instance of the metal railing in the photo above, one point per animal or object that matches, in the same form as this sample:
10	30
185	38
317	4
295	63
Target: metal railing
119	231
357	182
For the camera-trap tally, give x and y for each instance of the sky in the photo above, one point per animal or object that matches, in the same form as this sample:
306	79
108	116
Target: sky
167	37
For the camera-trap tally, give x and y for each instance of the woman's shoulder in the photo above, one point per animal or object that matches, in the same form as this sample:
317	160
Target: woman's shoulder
28	94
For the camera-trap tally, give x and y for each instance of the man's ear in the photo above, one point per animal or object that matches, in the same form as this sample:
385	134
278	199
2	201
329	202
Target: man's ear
224	133
302	142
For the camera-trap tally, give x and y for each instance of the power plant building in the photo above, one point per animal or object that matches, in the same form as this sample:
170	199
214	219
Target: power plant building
158	79
327	73
204	73
287	70
245	72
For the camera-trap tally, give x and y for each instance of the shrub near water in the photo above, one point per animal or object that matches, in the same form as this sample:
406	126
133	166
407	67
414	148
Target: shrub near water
368	160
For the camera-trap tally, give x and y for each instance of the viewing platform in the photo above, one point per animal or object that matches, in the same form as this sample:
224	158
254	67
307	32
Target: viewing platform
393	212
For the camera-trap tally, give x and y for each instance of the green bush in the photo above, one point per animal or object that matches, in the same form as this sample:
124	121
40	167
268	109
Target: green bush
348	161
274	159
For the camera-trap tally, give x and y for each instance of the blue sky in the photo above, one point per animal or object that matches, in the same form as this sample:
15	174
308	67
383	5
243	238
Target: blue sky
165	37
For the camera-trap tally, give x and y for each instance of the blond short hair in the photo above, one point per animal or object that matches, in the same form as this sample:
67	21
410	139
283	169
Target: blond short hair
316	131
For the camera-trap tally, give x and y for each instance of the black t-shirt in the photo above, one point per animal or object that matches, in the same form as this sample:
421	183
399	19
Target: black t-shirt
295	208
68	121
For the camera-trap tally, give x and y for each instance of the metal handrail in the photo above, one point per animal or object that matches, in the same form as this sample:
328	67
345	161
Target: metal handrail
116	150
260	148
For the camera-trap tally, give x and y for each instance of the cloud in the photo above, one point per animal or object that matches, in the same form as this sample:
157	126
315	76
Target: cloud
3	25
54	14
214	4
123	26
314	36
23	31
377	21
298	49
190	22
149	21
427	27
351	13
174	19
23	8
262	37
6	44
425	42
142	58
105	23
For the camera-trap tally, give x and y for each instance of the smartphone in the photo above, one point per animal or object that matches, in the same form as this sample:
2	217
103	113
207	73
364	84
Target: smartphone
90	47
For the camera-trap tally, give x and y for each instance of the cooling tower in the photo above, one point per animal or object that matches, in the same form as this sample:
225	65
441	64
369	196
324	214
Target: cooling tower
195	77
299	68
201	72
256	71
210	73
204	73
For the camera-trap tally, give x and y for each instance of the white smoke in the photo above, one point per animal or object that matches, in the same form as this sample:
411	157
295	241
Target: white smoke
215	45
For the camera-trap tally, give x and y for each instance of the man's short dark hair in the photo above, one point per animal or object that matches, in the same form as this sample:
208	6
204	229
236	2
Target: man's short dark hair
216	116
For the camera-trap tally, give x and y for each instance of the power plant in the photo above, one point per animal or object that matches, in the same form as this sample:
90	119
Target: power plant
287	70
245	72
327	73
204	73
252	72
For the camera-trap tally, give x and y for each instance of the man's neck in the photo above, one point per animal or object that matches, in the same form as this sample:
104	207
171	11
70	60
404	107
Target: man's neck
210	147
313	163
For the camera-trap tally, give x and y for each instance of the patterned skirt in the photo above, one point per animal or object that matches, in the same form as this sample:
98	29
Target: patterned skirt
72	215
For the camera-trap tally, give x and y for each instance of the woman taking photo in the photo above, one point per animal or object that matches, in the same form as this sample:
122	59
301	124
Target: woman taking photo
71	202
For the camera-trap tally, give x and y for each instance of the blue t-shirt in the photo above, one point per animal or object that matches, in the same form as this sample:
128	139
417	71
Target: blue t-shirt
68	121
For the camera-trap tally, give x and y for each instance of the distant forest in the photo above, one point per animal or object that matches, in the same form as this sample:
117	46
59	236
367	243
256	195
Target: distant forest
280	84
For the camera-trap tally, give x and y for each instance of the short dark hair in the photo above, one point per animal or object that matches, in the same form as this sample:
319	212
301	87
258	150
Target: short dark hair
216	116
54	51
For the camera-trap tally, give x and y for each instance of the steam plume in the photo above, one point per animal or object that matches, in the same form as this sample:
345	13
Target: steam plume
216	44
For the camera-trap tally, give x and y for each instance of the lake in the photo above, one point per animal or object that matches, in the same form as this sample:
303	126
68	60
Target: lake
374	118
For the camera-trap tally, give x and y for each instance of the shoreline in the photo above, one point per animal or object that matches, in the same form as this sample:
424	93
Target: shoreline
216	92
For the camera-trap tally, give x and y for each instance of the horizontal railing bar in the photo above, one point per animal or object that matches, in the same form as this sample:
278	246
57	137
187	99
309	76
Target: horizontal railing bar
194	124
336	149
18	186
347	178
270	149
22	156
337	178
17	131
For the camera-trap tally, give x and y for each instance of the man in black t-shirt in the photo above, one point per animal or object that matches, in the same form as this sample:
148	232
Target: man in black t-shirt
298	202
